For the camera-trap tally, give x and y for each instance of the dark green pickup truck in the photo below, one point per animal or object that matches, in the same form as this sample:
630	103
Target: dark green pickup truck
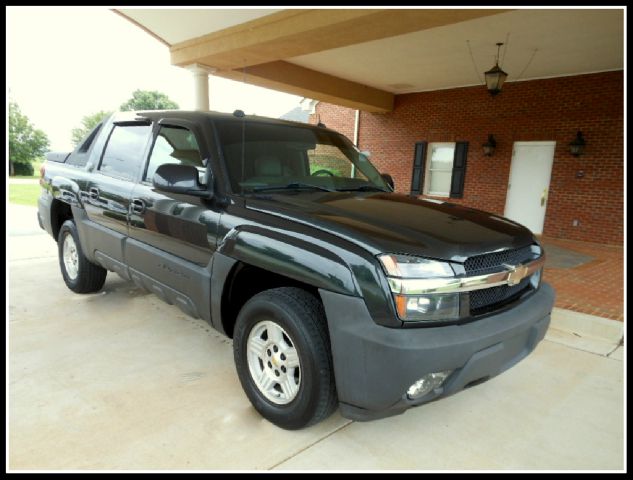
283	236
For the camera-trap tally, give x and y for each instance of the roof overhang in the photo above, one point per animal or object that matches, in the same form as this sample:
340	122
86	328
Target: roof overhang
361	58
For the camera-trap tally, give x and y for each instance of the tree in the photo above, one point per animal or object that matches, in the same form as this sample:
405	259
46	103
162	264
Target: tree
149	100
87	124
26	143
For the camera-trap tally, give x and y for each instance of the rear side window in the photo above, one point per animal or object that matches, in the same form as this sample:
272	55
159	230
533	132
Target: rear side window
79	157
174	145
89	139
123	155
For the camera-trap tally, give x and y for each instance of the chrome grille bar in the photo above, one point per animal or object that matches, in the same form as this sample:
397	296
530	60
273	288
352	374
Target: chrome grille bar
420	286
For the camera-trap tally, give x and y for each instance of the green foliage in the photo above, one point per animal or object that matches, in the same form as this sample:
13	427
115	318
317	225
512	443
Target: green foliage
87	124
23	169
26	143
148	100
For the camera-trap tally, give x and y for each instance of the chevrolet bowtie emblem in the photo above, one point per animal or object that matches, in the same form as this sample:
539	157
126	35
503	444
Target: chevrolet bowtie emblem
516	273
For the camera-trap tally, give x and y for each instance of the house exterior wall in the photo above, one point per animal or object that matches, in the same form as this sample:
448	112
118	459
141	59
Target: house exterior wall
538	110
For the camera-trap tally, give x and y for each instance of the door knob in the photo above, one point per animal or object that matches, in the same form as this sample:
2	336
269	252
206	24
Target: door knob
544	197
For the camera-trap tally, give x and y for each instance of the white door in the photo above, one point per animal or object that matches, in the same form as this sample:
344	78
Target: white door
528	188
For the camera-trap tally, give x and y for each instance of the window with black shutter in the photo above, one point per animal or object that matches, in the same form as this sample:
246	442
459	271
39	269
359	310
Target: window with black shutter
439	169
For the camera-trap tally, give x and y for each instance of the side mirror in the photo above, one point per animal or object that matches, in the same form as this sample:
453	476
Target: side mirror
182	179
388	180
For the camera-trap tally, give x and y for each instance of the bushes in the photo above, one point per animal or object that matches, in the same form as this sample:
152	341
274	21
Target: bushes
23	169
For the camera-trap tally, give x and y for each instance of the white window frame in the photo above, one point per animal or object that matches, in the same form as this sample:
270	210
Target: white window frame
428	171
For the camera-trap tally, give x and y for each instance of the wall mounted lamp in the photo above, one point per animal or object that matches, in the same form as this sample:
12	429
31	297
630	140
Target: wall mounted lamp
489	146
577	146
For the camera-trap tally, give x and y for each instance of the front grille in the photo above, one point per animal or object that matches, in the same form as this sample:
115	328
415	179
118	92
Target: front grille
489	299
493	262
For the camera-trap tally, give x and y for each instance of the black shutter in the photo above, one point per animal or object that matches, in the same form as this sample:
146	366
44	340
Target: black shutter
417	179
459	170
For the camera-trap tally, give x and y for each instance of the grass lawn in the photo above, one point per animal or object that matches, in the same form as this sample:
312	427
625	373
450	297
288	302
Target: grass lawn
24	194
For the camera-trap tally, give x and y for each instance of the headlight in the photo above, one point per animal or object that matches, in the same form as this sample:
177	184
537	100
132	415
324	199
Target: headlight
430	307
406	266
438	307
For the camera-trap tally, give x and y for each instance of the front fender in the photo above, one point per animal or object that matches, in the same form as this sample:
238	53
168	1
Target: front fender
291	257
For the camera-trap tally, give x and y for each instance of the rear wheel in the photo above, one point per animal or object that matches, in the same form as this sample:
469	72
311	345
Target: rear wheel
80	275
282	354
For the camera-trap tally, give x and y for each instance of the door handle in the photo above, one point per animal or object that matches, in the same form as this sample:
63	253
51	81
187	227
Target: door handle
544	197
93	193
137	206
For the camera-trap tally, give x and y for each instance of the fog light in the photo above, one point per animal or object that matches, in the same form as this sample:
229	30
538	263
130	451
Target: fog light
426	384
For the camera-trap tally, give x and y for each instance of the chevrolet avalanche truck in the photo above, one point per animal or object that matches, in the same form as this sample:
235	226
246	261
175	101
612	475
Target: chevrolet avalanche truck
336	291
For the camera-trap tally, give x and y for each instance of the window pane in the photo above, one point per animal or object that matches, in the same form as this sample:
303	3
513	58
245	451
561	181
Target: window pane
174	145
442	157
439	168
330	160
440	182
124	153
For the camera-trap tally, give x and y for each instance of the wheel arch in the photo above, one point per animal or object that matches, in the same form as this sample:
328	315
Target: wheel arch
60	212
252	259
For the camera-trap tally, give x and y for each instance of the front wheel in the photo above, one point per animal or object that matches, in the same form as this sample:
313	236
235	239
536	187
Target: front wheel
282	355
80	275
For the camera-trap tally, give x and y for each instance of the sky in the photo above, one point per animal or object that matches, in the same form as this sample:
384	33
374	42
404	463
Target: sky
65	63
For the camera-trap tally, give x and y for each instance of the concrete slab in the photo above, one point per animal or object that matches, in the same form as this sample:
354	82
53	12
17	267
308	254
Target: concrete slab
559	408
617	354
120	380
585	332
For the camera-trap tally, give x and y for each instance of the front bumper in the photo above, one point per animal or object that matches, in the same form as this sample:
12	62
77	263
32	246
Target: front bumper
375	365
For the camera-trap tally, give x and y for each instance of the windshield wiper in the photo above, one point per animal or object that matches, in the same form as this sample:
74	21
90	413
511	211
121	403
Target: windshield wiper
291	186
362	188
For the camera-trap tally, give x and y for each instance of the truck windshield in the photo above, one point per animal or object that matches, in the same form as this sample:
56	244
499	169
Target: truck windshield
262	156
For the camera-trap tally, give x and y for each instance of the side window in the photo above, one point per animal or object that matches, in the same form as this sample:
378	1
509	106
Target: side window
85	146
79	158
123	154
174	145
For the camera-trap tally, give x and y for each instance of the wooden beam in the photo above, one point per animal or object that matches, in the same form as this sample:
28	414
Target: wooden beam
291	33
290	78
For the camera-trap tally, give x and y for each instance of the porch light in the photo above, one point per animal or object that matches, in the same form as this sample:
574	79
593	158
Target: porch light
495	76
489	146
577	146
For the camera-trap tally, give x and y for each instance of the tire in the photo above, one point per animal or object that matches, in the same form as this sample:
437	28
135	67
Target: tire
80	275
300	319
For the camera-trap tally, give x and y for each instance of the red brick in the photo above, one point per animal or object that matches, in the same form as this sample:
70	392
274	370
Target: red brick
551	109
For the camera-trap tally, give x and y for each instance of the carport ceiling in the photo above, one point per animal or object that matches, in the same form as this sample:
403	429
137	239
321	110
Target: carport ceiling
361	58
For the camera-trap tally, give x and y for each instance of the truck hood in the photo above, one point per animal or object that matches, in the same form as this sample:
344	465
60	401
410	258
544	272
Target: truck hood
394	223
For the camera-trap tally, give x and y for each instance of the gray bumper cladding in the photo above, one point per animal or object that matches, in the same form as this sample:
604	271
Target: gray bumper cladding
375	365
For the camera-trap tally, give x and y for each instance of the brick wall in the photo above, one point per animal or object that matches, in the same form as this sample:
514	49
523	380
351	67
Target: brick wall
552	109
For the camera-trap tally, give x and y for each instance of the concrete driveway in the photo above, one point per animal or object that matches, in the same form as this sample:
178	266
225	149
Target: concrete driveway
121	380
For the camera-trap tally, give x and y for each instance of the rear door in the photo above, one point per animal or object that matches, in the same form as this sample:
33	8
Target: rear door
172	238
109	188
